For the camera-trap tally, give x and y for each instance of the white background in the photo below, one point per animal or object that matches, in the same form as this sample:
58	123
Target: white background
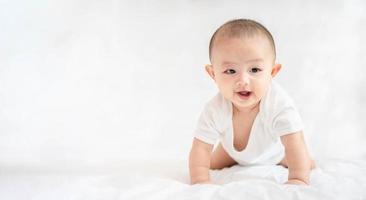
99	82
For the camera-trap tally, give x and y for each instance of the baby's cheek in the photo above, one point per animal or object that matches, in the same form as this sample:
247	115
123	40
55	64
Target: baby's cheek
261	89
222	84
226	91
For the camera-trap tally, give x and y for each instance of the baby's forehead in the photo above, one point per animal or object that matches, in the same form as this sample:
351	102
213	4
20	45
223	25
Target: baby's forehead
242	36
256	46
241	39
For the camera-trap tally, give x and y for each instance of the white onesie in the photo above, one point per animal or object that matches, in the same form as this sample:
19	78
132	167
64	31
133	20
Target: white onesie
277	116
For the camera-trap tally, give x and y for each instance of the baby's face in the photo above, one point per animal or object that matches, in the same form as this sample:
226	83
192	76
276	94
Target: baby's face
242	69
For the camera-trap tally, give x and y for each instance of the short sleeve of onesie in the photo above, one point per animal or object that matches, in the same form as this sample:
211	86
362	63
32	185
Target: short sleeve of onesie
287	121
206	129
285	118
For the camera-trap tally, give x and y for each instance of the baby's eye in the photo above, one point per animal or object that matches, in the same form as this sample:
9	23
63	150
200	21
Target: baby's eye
230	71
255	70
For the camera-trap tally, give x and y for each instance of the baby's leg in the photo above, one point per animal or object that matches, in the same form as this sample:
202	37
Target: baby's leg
284	163
221	159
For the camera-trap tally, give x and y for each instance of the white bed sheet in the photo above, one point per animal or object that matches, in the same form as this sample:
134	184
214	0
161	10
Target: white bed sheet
333	179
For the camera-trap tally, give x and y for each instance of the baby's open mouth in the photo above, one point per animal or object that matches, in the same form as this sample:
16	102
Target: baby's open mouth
244	93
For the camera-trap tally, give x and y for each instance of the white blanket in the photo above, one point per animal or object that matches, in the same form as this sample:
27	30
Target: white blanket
332	179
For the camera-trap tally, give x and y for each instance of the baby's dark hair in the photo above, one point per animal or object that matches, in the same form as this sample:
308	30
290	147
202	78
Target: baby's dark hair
241	28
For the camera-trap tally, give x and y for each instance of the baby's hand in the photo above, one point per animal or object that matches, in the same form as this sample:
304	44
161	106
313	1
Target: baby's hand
205	182
296	182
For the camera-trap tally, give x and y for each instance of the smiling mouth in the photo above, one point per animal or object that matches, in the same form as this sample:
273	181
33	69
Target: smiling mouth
244	94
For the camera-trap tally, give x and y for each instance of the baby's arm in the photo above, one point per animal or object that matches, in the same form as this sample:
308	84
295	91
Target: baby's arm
298	159
199	161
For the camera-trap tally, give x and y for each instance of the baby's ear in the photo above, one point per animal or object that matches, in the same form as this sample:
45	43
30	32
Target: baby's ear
210	71
275	69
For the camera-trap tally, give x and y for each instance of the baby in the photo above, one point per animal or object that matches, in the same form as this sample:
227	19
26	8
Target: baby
252	117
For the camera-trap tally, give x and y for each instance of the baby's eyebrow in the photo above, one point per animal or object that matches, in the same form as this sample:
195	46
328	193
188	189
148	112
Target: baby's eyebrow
254	60
228	63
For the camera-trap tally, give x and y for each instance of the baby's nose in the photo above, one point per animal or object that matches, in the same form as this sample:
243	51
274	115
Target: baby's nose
243	80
